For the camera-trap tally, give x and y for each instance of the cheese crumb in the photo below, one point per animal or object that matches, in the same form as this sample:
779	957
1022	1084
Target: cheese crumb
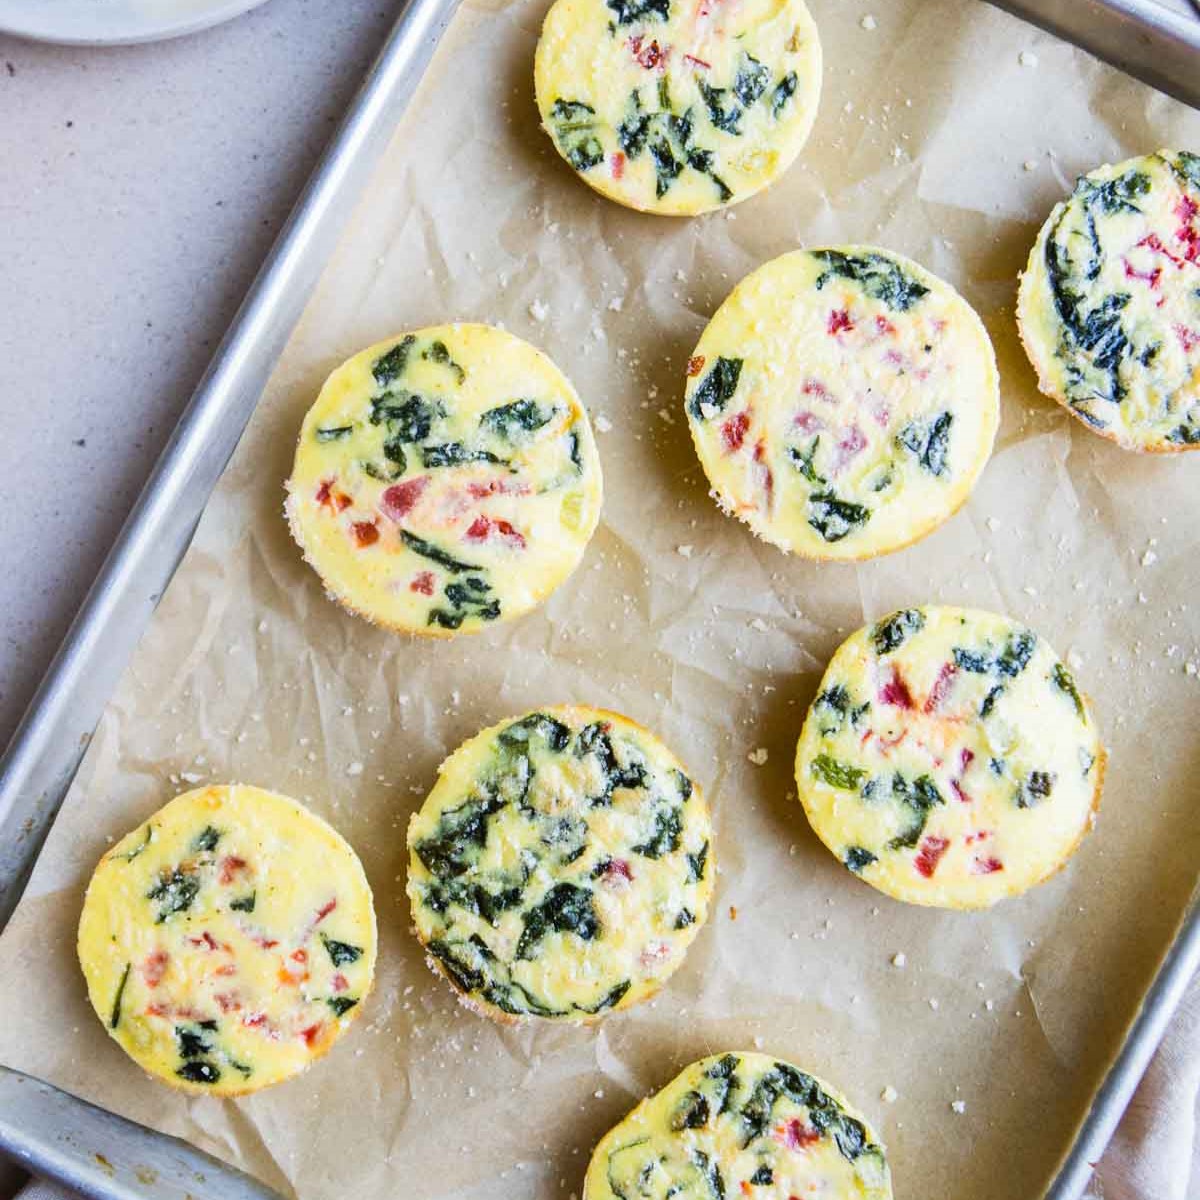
758	757
959	1106
616	304
868	22
1149	558
684	551
889	1094
603	424
1030	164
539	311
355	768
934	1004
759	1043
898	960
1027	58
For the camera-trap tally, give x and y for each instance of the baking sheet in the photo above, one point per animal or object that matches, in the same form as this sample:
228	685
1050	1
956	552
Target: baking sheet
681	619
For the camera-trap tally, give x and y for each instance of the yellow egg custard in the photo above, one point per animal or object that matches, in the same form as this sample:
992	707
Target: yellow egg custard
1109	305
949	758
678	106
737	1125
229	941
445	480
843	402
561	866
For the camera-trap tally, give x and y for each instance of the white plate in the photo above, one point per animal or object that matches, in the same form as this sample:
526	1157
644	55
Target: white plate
113	22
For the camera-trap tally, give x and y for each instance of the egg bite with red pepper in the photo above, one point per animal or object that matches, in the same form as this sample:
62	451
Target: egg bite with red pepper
1109	305
741	1124
561	866
678	107
949	758
229	941
445	480
843	402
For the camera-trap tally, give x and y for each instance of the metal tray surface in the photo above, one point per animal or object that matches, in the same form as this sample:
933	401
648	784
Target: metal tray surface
106	1157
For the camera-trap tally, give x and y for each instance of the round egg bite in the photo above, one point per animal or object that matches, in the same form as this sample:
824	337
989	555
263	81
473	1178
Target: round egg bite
843	402
1109	305
561	866
740	1124
229	941
678	107
949	758
445	480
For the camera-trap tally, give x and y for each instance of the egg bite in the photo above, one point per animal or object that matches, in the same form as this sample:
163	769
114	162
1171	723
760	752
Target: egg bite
445	480
1109	303
678	108
843	402
741	1124
228	941
949	758
560	867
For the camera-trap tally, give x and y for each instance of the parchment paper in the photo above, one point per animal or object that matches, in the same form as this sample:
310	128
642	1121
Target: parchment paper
936	138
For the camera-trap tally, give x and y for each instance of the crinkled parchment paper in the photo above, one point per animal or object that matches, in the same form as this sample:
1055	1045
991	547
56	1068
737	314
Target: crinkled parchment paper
936	137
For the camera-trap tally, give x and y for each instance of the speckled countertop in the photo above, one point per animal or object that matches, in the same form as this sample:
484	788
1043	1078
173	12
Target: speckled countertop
140	188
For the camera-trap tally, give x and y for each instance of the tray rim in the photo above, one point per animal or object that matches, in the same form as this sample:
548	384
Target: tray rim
43	756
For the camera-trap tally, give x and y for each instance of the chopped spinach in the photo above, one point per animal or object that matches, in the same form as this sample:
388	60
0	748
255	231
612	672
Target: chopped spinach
610	999
409	418
716	389
466	977
115	1019
334	433
244	903
834	518
552	731
974	661
341	1005
763	1176
858	858
989	701
566	908
390	366
519	416
696	863
130	855
474	898
665	835
469	597
685	918
206	839
723	112
803	461
575	130
785	89
710	1169
438	352
892	632
1185	434
692	1112
667	168
1017	652
341	954
1116	195
751	81
878	276
435	554
191	1040
918	798
461	833
629	11
1036	787
197	1071
174	892
723	1074
1066	684
454	454
929	441
837	774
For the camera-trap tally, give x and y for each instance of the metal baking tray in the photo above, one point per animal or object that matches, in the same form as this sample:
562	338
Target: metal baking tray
107	1157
